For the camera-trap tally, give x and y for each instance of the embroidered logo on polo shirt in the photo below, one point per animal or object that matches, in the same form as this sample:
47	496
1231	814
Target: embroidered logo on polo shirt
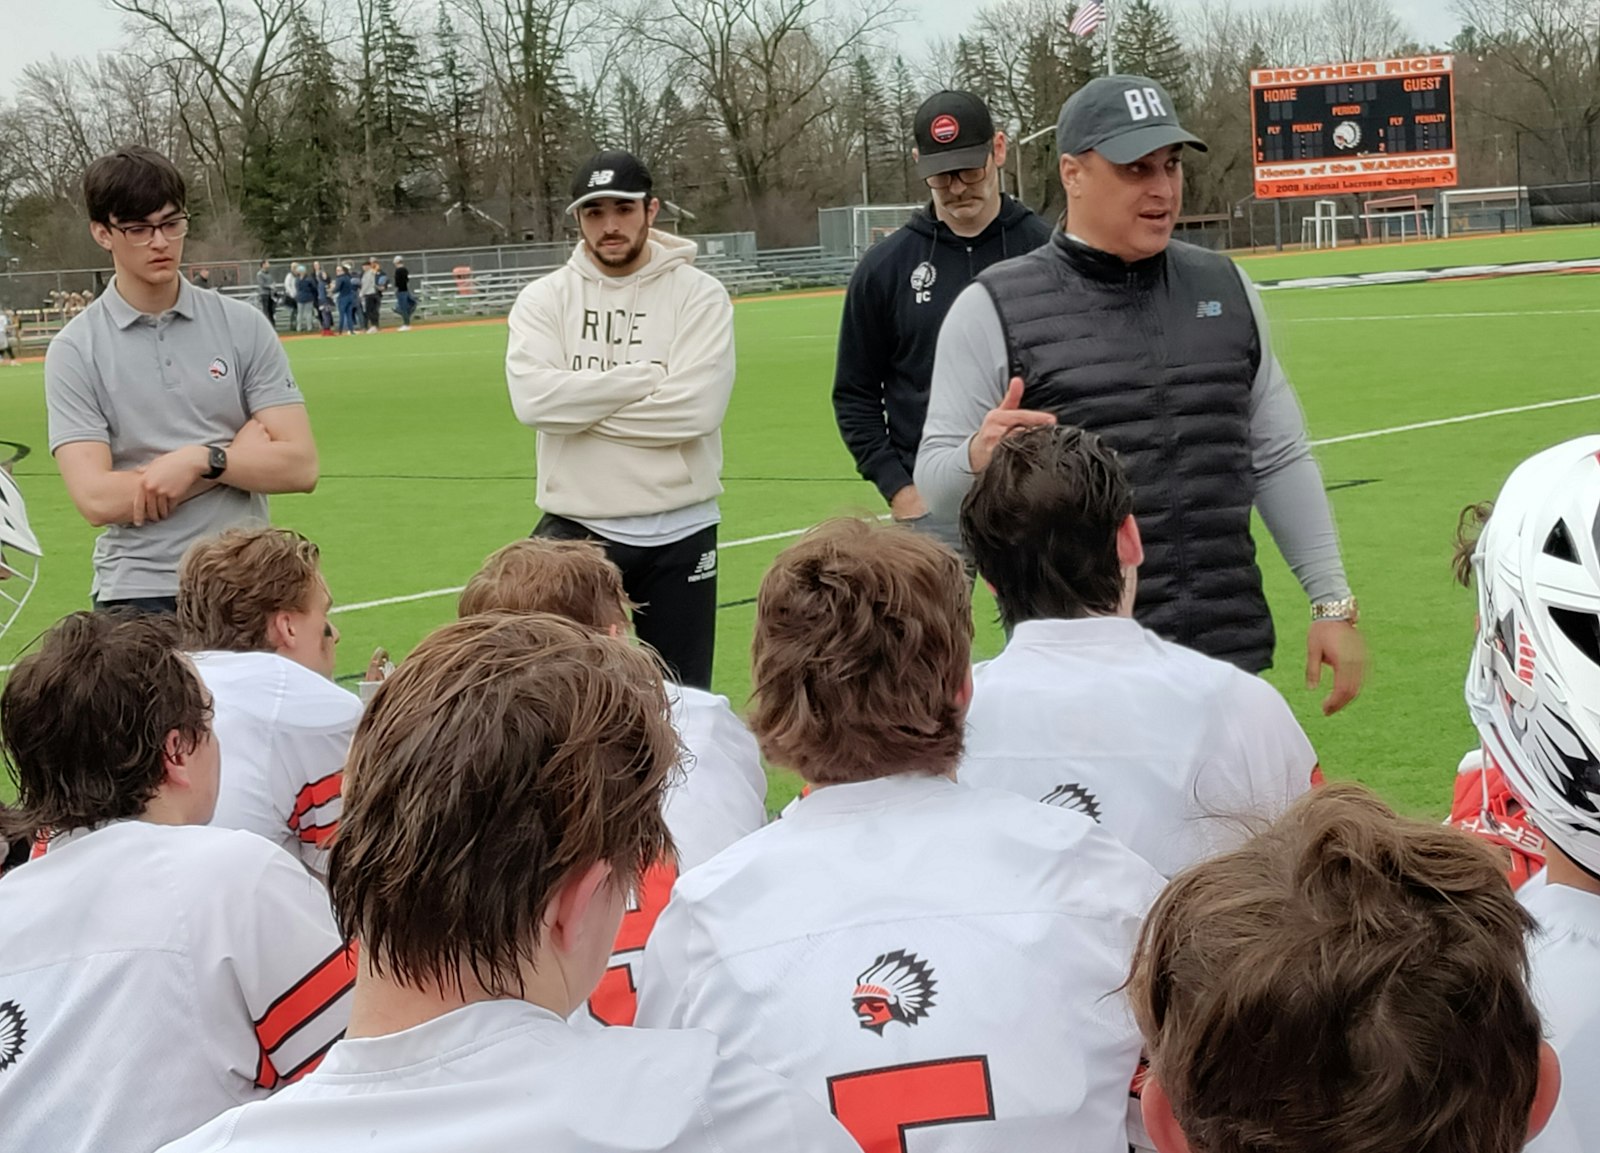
13	1032
898	986
218	369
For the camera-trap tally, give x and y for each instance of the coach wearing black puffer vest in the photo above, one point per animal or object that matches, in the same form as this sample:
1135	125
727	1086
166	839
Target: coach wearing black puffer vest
1163	349
906	283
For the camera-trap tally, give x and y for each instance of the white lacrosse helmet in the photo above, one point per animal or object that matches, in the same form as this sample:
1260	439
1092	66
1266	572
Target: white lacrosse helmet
1533	687
19	553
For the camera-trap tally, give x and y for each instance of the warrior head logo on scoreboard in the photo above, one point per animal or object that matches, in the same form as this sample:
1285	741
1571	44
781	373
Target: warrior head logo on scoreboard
895	987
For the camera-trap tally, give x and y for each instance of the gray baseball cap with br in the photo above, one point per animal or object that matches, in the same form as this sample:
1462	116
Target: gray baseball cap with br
1122	118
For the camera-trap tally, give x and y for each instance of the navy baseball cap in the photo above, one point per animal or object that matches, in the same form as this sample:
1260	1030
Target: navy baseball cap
953	131
1122	118
616	174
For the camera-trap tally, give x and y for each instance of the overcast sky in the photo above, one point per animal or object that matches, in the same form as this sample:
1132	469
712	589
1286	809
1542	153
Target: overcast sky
71	27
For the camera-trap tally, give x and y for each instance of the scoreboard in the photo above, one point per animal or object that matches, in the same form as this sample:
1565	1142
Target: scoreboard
1375	126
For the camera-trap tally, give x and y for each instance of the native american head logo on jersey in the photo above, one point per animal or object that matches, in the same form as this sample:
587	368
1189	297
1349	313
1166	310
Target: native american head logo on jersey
13	1033
895	987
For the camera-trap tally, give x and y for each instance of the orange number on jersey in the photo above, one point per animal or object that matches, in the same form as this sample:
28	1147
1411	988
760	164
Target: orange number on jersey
616	998
879	1105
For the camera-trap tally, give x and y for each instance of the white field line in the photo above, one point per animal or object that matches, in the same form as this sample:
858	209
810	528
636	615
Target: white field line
1440	316
1469	417
450	592
764	538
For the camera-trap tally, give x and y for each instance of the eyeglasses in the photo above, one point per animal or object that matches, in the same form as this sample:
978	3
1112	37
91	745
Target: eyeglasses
140	235
967	176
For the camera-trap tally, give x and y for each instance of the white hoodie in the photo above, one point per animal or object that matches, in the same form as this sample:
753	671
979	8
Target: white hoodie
627	379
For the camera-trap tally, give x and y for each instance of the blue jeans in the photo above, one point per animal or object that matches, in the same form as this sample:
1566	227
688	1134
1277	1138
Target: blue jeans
347	314
405	304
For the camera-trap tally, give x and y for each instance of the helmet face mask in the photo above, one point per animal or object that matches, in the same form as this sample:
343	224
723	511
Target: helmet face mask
20	553
1533	686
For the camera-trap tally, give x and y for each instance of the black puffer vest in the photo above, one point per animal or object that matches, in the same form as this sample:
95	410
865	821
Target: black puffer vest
1158	357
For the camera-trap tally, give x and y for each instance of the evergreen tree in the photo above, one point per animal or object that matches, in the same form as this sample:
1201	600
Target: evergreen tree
872	119
904	101
1147	46
399	107
457	105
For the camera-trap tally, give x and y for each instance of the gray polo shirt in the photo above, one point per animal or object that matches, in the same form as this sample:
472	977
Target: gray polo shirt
145	385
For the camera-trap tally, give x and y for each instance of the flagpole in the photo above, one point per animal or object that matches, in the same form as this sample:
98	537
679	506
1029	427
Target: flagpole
1111	29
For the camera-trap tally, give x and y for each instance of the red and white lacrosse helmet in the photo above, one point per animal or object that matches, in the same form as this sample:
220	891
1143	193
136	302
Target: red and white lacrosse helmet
1533	686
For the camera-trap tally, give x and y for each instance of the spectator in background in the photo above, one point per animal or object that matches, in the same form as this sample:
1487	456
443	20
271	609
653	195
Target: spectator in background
324	297
404	303
344	295
369	293
202	279
8	337
305	298
291	281
264	297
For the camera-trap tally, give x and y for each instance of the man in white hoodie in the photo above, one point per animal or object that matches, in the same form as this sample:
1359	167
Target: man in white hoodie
623	361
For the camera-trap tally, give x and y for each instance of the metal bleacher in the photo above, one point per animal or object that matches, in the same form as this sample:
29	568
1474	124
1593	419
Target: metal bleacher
806	267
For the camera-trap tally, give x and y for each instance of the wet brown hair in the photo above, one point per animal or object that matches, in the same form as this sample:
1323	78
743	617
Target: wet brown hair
1348	980
509	753
1041	524
230	586
863	639
1469	527
570	578
86	718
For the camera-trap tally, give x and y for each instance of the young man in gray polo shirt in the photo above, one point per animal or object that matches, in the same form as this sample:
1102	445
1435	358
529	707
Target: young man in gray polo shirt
172	411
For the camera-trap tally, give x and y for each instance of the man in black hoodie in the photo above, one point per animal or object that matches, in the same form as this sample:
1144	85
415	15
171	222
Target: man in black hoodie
905	284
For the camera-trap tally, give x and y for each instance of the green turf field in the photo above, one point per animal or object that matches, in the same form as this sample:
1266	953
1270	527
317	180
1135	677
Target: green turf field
424	471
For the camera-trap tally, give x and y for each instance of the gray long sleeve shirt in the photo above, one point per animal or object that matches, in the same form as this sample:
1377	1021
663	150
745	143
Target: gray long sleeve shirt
970	374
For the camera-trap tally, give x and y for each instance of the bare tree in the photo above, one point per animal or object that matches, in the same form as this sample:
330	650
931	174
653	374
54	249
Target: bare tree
763	68
527	46
1540	71
1360	29
222	57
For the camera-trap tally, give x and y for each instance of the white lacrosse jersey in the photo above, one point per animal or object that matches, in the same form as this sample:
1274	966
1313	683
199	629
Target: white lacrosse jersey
284	732
938	964
510	1077
1165	747
719	797
152	977
1564	956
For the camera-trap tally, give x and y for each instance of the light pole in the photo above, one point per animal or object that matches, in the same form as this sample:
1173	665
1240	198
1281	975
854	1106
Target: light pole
1018	150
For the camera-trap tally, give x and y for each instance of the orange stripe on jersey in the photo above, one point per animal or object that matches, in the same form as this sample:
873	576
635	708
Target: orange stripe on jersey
309	1065
266	1073
1317	779
316	991
314	794
318	835
41	845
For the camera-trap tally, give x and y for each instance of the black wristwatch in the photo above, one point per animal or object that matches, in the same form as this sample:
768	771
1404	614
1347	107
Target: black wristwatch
219	463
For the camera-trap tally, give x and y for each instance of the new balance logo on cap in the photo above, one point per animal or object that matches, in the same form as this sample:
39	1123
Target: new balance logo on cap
614	175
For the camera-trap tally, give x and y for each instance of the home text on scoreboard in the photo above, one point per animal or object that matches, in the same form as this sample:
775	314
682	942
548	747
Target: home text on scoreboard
1374	126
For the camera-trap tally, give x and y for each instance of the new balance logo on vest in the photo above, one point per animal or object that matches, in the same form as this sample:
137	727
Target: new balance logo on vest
1207	309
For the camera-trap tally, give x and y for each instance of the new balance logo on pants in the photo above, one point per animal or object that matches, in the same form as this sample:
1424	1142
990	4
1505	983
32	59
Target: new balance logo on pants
705	568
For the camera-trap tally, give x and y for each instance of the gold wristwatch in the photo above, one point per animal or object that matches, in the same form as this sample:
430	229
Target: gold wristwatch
1343	609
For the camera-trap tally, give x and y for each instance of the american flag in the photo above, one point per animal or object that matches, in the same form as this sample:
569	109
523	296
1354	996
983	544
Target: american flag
1090	15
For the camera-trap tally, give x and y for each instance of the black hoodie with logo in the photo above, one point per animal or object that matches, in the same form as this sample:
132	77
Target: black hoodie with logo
894	306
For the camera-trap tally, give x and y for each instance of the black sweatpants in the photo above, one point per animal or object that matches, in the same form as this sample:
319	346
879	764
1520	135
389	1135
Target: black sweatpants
369	305
675	587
